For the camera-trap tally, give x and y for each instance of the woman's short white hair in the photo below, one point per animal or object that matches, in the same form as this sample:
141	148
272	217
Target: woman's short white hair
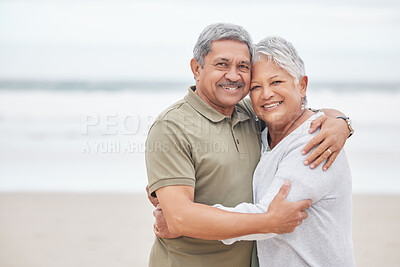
283	53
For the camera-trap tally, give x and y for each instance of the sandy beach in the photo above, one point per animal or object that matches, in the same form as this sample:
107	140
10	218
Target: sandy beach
64	229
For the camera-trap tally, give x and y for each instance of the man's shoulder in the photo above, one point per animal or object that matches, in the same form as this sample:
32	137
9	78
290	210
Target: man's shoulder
174	115
174	111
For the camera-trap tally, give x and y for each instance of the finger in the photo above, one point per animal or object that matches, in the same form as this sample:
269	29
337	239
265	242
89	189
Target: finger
299	222
315	124
304	204
156	212
303	215
330	160
153	200
320	159
283	191
318	151
157	232
313	142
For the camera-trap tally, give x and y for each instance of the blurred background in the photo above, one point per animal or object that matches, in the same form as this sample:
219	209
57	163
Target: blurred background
82	81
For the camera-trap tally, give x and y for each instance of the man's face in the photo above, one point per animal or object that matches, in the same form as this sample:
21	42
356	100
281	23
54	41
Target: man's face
225	78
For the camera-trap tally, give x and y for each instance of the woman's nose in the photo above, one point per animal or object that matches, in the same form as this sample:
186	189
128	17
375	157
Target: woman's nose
267	92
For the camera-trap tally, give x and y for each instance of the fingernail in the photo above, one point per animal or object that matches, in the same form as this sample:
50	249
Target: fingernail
324	168
312	166
303	152
306	162
286	183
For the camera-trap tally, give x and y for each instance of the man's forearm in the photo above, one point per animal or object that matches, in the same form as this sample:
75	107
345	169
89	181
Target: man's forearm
332	112
206	222
185	217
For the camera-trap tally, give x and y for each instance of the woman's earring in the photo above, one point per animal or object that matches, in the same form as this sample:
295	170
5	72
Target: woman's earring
302	105
256	118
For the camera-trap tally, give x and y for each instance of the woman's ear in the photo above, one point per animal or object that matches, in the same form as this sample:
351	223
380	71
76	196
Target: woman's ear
303	85
195	66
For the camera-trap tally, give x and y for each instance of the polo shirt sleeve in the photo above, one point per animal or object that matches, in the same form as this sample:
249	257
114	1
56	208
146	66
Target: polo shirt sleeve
168	157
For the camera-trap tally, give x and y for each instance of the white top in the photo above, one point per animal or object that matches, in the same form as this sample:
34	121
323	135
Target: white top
324	238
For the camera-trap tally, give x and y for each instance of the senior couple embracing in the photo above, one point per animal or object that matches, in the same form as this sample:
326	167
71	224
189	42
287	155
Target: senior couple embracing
279	193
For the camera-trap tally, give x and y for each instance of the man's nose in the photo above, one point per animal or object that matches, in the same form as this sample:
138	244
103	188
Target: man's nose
232	75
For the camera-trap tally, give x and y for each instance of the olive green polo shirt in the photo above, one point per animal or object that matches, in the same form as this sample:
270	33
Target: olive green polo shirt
192	144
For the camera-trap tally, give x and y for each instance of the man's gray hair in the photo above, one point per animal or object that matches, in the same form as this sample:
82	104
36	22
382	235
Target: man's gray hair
282	53
220	31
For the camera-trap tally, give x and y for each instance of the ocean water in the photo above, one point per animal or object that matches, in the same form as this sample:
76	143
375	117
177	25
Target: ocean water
89	137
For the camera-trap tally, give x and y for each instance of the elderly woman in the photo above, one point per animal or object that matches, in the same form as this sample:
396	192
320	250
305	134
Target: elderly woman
278	93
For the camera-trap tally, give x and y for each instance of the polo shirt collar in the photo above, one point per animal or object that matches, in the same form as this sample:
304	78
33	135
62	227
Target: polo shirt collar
207	111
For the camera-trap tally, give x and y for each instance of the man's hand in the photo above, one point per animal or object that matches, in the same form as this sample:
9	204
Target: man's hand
153	200
328	142
286	216
160	227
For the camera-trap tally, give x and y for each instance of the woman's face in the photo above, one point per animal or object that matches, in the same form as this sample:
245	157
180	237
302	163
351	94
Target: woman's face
275	96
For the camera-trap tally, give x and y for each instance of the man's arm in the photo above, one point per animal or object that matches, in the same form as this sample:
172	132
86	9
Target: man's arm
333	135
329	141
187	218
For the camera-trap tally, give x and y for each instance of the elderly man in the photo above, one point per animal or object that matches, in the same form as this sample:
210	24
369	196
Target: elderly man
203	150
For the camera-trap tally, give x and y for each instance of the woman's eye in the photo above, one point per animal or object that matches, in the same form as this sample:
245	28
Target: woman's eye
276	82
255	87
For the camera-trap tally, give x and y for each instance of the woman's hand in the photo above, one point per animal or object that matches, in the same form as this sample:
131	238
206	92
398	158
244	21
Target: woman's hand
328	142
153	200
160	227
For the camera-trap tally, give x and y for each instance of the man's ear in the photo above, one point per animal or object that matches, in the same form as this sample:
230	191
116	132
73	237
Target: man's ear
195	66
303	85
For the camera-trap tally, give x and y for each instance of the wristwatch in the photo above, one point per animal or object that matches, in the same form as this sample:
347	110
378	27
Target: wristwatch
348	121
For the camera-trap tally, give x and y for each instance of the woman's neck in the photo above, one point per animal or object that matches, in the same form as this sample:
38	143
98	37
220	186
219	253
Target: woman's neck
276	132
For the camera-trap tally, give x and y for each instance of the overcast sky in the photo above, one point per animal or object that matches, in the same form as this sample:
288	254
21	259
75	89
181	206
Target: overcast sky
339	41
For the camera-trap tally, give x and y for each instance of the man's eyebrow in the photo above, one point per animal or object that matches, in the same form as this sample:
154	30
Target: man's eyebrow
222	59
245	62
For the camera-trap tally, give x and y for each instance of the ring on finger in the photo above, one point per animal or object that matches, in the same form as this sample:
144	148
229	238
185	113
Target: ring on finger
330	152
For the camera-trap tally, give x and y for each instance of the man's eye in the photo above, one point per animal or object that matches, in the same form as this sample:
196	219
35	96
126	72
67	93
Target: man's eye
223	64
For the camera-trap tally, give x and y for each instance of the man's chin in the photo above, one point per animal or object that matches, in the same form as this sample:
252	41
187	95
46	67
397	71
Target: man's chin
232	101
